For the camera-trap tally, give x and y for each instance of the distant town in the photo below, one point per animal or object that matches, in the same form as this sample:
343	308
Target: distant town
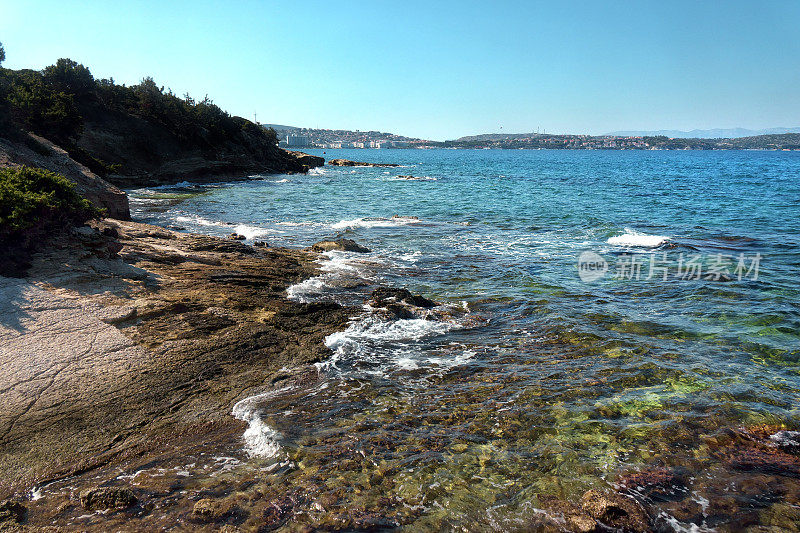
293	137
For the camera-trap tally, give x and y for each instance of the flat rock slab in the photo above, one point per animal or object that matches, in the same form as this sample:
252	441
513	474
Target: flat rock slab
52	350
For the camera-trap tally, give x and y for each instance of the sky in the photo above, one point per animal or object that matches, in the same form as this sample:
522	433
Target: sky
440	69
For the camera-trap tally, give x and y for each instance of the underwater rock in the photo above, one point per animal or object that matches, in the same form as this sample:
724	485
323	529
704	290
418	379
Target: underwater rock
788	441
615	511
102	498
341	245
210	510
581	523
660	484
765	460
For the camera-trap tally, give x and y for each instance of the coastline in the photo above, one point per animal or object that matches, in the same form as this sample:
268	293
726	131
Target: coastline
179	327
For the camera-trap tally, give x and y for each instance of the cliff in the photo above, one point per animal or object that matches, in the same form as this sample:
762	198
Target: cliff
134	136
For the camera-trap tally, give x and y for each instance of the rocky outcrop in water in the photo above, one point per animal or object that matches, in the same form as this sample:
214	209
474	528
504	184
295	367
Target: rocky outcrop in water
102	498
308	161
341	245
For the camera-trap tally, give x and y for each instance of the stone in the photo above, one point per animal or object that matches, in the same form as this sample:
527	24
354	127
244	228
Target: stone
342	245
615	511
103	498
383	296
307	161
236	237
581	523
211	510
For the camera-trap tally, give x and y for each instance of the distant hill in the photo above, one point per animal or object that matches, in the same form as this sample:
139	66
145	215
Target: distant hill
279	127
782	141
496	137
731	133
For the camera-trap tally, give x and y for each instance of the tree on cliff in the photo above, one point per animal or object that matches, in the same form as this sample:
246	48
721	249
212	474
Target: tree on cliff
70	77
2	54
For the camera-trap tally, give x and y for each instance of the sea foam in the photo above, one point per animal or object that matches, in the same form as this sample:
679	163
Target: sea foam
371	222
260	440
632	238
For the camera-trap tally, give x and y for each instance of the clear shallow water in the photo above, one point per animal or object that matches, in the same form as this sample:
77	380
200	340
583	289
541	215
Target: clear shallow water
547	385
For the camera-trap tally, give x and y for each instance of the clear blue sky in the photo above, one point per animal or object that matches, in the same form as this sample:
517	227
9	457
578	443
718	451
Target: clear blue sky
440	69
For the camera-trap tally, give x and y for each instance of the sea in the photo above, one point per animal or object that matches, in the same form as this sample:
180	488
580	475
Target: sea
608	320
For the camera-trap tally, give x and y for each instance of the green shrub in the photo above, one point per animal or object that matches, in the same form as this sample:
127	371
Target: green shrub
40	200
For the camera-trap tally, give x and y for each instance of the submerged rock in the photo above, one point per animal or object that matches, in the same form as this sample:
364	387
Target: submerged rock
660	484
615	511
210	510
102	498
342	245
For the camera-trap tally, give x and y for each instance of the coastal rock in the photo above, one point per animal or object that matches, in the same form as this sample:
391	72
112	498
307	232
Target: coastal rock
102	498
342	245
35	151
400	303
615	511
308	161
125	357
236	237
383	296
12	511
348	163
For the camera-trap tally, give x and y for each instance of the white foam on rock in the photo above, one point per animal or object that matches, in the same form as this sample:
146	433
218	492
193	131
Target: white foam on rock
388	344
260	440
336	266
200	221
251	232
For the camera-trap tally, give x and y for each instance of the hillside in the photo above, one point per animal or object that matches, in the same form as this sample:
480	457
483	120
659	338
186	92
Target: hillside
139	135
784	141
727	133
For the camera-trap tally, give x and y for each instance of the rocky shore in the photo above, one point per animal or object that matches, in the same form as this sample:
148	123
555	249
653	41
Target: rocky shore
129	342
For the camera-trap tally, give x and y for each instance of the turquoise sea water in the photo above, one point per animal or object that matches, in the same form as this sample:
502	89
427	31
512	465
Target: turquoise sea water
535	384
